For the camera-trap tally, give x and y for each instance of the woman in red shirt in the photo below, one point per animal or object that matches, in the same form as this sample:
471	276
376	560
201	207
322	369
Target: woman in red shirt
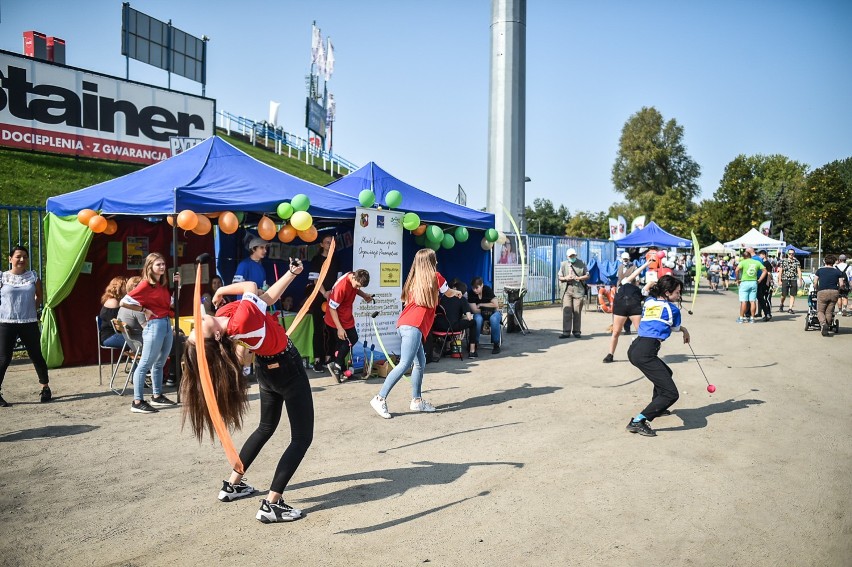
281	378
420	295
153	298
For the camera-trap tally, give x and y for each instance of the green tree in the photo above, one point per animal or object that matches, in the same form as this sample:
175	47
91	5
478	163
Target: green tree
544	218
754	189
586	224
652	161
827	196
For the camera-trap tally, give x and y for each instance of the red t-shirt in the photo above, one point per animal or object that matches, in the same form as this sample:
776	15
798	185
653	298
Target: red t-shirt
341	298
155	297
419	316
253	326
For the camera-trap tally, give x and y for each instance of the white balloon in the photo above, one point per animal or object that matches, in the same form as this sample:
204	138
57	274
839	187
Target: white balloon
502	238
486	245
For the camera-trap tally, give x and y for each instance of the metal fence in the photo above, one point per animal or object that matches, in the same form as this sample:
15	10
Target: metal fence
546	253
24	226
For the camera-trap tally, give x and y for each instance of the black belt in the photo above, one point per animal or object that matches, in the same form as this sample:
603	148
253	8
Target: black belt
287	349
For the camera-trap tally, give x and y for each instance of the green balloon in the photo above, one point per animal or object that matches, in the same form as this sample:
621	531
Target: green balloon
393	199
301	202
461	234
410	221
433	245
491	235
448	241
367	198
420	239
285	211
434	233
240	217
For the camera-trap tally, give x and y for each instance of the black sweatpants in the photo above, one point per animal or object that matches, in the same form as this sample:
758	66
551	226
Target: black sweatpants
338	349
283	382
31	337
643	354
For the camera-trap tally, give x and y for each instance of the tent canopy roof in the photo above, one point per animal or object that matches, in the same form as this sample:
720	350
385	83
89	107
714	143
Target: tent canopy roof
716	248
796	251
756	240
212	176
653	235
429	207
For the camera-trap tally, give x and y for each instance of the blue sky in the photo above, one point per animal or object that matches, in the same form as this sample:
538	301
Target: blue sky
411	78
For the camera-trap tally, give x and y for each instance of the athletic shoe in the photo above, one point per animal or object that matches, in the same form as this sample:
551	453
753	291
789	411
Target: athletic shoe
421	405
825	330
608	358
170	382
473	354
381	407
273	512
766	318
318	367
162	401
565	336
231	492
781	309
628	332
45	395
740	320
4	403
336	371
577	335
791	312
143	407
641	427
496	349
751	319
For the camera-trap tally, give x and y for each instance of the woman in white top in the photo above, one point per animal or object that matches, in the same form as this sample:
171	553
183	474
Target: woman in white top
20	298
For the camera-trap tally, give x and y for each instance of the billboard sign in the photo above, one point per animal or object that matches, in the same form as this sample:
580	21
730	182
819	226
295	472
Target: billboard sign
52	108
315	117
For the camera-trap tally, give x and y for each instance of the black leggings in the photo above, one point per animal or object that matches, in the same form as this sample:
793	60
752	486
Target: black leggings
643	354
283	381
338	349
31	337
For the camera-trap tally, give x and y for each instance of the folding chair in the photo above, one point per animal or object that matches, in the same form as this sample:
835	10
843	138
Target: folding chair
131	351
455	338
102	348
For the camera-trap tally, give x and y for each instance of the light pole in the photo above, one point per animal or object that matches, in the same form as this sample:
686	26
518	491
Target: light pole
819	246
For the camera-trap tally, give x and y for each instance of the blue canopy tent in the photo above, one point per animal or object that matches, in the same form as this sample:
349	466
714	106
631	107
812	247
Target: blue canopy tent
466	260
653	235
796	251
210	177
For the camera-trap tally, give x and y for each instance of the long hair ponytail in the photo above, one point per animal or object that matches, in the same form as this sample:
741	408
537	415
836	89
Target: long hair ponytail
229	385
421	285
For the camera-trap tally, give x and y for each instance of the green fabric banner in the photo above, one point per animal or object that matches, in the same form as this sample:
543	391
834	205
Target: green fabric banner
67	245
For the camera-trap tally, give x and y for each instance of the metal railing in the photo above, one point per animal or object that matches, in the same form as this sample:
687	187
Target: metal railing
283	142
24	226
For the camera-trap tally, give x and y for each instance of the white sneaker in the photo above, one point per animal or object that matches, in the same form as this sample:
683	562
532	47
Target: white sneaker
419	404
381	407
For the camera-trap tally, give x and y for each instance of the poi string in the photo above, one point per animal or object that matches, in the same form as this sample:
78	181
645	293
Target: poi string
520	244
301	314
696	248
207	384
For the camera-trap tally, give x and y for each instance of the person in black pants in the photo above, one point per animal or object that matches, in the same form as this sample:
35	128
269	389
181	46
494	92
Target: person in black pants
660	316
281	378
457	316
764	289
322	354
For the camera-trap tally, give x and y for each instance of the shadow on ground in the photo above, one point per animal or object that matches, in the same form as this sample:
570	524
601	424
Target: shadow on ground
47	432
696	418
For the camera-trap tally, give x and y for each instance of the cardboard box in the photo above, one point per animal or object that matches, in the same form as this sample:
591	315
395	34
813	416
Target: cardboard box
381	368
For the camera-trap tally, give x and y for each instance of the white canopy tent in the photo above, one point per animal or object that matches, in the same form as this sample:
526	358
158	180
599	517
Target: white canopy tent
753	239
717	248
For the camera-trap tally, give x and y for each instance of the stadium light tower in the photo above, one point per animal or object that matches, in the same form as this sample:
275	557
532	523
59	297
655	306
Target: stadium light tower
507	111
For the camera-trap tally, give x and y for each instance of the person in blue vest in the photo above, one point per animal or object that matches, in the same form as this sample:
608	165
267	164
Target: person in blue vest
660	316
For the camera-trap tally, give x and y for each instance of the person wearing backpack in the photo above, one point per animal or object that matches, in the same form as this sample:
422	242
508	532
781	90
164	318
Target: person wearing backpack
843	297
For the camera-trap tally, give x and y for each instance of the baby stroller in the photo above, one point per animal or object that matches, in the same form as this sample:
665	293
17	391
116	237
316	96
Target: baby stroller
811	319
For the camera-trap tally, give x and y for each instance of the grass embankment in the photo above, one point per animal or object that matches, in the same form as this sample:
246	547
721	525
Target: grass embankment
28	179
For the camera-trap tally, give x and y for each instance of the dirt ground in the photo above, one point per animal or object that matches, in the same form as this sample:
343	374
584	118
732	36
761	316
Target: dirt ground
527	462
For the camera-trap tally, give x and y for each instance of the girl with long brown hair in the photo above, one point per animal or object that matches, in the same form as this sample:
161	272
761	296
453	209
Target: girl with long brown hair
281	378
420	295
152	298
113	293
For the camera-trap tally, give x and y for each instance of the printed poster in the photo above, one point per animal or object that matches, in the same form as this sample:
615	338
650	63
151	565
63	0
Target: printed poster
137	251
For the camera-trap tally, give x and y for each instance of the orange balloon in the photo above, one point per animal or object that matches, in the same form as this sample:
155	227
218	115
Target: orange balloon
187	219
228	222
85	216
98	224
111	227
309	234
212	215
324	306
419	230
266	228
287	233
170	219
203	227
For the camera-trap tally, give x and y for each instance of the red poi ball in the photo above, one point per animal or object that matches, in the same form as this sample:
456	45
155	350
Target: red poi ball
711	388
